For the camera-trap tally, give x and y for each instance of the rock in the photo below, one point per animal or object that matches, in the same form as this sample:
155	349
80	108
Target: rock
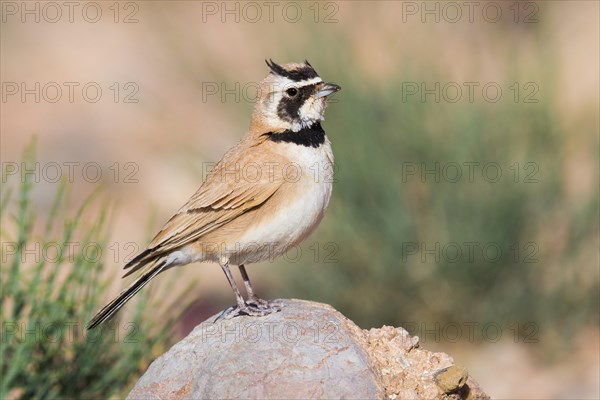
451	379
410	372
307	350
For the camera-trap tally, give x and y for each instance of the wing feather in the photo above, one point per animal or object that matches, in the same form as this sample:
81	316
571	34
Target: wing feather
224	196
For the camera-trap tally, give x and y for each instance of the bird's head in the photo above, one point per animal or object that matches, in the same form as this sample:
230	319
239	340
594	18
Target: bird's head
292	97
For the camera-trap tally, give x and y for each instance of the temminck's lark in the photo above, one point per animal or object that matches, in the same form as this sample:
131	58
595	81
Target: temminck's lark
267	194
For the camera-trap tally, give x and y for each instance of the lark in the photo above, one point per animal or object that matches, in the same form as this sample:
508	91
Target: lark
267	194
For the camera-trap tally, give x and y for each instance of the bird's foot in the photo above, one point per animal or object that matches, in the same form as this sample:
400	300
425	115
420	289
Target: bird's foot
255	307
272	305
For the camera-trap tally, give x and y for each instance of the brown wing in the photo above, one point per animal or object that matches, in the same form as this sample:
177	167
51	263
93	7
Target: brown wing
243	180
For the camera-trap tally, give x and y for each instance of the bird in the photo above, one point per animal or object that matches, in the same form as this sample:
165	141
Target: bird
266	194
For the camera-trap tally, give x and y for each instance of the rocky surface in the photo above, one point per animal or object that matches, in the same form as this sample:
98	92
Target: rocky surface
307	350
411	372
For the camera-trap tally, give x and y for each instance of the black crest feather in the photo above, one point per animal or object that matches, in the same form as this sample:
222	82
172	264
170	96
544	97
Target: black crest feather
299	74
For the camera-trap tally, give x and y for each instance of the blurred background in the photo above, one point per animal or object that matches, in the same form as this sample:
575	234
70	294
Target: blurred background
465	204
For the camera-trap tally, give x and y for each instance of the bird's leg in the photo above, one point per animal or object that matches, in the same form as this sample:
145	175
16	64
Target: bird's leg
253	299
242	307
238	295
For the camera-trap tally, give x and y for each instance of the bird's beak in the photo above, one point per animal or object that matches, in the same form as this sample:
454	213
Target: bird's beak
326	89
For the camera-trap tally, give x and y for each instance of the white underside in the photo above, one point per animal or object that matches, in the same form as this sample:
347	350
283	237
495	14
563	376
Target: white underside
294	221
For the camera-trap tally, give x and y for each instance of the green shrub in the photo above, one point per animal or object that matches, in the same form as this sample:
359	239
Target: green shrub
48	296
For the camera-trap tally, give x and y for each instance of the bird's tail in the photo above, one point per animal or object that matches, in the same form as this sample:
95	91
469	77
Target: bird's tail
111	308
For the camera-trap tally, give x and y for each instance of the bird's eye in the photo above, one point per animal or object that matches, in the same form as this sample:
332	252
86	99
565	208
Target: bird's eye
292	92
